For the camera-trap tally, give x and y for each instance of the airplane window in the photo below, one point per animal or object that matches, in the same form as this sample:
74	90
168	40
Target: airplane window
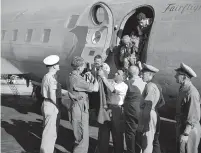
3	33
28	35
15	34
46	35
98	14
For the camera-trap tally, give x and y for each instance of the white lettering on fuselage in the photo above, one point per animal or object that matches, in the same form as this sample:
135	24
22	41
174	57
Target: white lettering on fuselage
182	8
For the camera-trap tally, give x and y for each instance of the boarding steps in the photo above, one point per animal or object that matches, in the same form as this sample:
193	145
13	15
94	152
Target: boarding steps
11	86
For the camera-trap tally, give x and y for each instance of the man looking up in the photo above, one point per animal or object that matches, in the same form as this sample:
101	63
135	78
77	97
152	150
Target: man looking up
188	111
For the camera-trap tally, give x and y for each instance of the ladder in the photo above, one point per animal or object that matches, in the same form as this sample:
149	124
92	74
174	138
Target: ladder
11	86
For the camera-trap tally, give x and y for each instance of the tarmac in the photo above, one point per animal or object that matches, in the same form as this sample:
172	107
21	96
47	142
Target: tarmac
21	125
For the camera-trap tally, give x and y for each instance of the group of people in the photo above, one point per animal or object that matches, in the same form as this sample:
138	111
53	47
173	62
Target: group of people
128	104
132	45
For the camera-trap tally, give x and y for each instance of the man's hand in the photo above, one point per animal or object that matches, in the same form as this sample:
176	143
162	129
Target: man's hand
183	139
89	77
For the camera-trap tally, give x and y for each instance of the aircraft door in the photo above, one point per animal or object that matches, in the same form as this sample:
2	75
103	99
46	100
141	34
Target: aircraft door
99	35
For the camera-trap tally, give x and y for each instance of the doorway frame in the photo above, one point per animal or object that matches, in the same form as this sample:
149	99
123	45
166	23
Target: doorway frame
125	19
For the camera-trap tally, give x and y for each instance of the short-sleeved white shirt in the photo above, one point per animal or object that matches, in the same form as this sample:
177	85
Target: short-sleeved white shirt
50	83
119	96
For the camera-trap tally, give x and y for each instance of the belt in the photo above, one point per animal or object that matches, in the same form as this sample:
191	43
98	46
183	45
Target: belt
115	105
49	100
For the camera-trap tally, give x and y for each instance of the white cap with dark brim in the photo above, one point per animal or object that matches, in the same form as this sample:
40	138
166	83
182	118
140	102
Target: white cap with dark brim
150	68
186	70
51	60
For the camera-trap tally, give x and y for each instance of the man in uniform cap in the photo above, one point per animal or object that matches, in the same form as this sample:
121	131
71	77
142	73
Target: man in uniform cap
79	87
51	91
149	119
188	111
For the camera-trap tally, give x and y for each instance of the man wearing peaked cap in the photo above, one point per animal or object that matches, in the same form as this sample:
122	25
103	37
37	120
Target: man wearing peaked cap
188	129
185	69
150	68
51	92
51	60
149	121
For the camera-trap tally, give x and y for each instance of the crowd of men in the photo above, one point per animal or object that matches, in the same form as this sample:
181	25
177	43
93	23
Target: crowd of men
127	104
132	45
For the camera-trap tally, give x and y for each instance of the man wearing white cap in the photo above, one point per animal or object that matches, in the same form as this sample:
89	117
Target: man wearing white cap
188	111
149	119
51	91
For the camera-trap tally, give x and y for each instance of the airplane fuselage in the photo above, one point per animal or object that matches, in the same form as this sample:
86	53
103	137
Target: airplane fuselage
71	30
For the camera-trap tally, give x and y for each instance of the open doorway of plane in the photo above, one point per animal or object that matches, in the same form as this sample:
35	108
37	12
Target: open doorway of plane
131	24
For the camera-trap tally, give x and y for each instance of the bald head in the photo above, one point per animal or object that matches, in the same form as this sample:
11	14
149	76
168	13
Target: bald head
133	71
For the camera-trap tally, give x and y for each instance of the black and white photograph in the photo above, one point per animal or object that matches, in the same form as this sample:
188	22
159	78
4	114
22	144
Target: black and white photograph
100	76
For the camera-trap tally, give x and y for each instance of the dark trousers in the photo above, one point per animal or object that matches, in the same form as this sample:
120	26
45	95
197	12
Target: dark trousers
130	132
156	144
116	128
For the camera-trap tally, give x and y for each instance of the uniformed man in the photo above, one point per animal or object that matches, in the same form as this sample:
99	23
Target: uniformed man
79	87
188	111
51	91
132	106
149	118
115	98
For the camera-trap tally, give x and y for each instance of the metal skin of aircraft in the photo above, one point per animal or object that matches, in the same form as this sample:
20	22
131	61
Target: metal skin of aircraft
87	28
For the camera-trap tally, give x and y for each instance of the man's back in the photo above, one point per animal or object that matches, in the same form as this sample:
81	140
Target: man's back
133	97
